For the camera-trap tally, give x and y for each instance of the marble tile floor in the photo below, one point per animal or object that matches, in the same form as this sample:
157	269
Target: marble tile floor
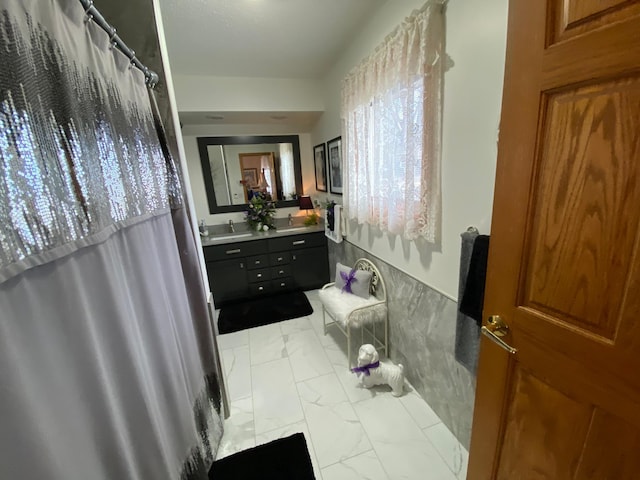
289	377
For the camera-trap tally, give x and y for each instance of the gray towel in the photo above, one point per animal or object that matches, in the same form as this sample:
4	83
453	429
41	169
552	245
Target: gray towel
467	330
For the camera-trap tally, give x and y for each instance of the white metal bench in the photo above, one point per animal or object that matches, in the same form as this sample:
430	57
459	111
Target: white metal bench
348	311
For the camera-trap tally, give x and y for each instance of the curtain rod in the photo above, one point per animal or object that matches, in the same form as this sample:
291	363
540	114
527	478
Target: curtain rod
92	13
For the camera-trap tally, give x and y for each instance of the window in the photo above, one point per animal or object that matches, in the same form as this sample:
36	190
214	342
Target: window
391	111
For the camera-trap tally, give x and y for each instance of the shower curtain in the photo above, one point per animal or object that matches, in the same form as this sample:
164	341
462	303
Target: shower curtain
107	361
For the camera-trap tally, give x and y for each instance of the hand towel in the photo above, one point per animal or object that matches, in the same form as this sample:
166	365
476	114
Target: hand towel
473	297
467	342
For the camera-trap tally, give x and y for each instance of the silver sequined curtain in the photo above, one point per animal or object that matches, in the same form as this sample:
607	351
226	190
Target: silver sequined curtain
106	356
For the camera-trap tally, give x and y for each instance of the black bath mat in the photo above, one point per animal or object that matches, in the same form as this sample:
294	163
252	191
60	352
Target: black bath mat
263	311
283	459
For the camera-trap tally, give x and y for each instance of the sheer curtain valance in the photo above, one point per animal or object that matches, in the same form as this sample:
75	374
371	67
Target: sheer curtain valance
391	112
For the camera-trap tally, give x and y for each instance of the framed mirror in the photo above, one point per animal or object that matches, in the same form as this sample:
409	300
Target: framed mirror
235	168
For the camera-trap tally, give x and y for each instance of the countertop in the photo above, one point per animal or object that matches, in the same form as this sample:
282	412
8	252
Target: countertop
245	235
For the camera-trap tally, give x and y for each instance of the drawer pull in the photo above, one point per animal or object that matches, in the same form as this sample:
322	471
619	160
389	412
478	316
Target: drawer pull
281	272
299	242
241	265
260	288
282	284
279	259
259	275
231	252
257	262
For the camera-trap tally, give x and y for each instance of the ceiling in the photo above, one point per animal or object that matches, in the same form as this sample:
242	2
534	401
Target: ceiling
250	38
261	38
304	120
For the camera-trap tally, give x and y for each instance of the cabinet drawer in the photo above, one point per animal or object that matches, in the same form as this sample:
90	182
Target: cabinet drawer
231	250
259	275
280	271
294	242
258	261
280	258
260	288
281	284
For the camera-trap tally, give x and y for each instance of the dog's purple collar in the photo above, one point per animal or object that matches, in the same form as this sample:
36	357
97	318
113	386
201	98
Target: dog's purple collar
365	368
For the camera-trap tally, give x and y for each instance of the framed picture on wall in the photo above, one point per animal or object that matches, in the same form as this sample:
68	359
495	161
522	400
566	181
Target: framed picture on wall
250	177
334	148
320	162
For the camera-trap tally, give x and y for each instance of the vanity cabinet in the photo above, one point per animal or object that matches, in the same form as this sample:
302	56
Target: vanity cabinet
253	268
305	257
229	267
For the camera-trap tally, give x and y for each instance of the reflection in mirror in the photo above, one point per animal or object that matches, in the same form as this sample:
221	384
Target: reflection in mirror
236	168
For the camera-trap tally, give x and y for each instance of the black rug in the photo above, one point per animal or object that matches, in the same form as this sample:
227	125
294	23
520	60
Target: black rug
283	459
262	311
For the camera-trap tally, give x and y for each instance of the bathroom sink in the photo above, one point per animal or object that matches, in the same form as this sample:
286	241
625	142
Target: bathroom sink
291	229
230	236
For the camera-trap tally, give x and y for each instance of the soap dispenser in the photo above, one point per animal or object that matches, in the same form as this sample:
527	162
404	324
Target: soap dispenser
203	229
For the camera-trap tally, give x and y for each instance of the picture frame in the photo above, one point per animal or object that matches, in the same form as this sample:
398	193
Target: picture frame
334	154
250	177
320	163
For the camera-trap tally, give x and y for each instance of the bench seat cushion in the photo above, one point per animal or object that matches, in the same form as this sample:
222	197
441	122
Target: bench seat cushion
342	307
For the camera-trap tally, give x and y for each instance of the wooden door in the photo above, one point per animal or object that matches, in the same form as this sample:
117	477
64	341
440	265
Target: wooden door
564	265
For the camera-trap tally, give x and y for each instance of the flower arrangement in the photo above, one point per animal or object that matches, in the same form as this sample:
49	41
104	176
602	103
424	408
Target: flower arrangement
260	213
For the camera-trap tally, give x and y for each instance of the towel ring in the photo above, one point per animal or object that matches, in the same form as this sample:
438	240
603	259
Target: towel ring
472	229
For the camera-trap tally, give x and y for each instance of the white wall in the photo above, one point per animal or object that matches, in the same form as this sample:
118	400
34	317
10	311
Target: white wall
238	94
476	41
189	136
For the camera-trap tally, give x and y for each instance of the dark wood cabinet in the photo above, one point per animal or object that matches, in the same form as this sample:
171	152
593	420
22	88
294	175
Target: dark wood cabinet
229	268
267	266
228	279
310	268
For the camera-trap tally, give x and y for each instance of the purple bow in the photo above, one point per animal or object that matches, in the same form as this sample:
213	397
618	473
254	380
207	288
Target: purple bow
365	368
348	279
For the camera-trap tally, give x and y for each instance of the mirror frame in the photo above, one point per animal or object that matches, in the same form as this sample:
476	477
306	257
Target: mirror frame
205	142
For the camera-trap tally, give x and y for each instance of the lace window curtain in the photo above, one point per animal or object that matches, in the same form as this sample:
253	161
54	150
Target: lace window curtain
107	365
287	172
391	113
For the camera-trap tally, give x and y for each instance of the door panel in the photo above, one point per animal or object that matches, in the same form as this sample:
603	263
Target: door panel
538	443
584	10
611	449
564	267
570	18
582	443
586	208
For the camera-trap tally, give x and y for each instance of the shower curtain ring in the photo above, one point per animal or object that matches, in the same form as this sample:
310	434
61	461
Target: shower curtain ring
88	16
133	59
112	42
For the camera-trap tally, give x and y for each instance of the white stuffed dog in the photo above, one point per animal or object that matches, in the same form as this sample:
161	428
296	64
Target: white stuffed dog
373	372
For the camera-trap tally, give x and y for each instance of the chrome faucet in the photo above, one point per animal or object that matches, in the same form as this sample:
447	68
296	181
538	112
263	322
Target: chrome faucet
231	227
290	222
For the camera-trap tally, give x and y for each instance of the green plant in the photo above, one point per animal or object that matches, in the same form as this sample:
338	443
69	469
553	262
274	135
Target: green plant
311	219
328	204
260	212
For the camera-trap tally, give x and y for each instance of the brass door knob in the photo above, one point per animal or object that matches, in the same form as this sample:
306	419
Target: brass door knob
495	329
497	326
